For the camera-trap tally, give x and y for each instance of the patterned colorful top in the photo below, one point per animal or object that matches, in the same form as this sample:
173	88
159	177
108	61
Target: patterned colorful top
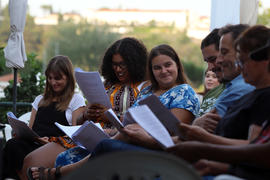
210	98
122	96
181	96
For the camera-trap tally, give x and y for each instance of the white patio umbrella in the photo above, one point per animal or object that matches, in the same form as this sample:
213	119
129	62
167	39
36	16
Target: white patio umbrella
15	50
225	12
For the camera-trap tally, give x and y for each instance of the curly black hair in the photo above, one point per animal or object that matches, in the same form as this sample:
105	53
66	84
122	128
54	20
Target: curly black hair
133	52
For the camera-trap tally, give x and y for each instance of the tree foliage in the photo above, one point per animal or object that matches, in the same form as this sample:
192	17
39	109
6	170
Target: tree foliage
264	17
3	68
31	84
34	36
187	48
84	43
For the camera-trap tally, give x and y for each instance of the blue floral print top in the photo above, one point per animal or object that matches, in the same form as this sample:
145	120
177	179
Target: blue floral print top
181	96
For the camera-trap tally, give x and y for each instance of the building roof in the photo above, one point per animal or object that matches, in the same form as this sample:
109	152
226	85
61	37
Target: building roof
8	77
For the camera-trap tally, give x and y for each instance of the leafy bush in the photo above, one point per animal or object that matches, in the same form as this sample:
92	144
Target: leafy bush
3	68
31	84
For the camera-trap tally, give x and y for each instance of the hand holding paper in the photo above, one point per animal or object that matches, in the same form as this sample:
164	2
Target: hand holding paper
165	116
149	122
86	136
92	87
114	119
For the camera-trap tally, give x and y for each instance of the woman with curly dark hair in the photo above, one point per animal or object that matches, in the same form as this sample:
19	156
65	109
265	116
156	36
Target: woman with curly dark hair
123	68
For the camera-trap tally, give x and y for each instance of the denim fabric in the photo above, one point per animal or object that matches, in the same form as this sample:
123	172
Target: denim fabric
234	90
71	156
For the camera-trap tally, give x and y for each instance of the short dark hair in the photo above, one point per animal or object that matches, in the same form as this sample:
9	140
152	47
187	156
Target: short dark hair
167	50
235	30
212	38
254	38
134	54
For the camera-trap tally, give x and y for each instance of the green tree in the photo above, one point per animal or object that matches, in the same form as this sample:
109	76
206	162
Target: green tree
187	48
3	68
47	9
32	82
34	36
4	26
264	17
84	43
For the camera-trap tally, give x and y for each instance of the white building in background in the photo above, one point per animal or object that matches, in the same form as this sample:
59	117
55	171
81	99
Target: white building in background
139	17
196	26
53	19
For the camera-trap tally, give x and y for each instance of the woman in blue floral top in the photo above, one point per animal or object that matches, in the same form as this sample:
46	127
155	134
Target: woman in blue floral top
169	84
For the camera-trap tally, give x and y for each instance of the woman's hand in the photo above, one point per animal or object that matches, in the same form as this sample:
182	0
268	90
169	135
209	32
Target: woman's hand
43	140
137	135
191	132
95	112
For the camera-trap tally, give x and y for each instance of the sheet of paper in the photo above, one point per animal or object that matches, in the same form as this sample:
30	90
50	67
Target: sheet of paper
20	128
68	130
99	126
89	135
165	116
92	87
113	119
149	122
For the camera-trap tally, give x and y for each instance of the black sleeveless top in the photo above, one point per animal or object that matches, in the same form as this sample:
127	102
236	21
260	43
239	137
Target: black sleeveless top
45	119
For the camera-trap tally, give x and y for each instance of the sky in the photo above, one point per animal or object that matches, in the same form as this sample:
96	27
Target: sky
202	7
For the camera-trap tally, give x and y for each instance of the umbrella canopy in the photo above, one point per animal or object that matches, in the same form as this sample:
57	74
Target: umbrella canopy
225	12
15	50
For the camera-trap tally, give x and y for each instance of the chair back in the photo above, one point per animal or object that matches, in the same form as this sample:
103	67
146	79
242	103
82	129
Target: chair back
135	165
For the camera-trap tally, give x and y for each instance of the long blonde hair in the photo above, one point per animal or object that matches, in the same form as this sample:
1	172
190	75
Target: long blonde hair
59	65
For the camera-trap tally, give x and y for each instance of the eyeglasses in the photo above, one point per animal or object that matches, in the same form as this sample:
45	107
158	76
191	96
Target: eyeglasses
121	65
261	53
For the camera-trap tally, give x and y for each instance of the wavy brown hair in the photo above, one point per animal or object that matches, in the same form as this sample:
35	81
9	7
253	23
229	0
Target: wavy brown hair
167	50
59	66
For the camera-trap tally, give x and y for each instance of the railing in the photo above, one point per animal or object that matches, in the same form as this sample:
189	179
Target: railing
10	104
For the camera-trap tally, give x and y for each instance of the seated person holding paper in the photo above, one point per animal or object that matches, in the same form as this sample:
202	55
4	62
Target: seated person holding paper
60	104
168	83
123	68
249	112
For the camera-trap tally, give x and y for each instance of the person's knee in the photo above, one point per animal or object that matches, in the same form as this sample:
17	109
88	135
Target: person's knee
29	160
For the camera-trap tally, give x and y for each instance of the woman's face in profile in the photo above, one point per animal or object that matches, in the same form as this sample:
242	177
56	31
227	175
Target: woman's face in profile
120	68
210	80
57	82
